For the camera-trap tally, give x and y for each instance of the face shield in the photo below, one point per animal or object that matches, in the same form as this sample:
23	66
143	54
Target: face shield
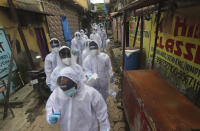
65	56
101	27
78	36
68	86
55	45
93	48
94	30
82	32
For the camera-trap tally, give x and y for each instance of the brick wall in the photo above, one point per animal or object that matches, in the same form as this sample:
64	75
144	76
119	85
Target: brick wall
54	22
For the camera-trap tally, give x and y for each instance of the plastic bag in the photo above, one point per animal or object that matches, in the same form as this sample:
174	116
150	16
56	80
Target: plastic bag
112	90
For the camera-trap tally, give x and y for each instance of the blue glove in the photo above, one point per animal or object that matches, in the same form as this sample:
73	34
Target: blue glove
89	76
111	79
49	85
53	118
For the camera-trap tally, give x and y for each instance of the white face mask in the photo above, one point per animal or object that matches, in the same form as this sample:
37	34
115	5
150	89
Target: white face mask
67	61
56	49
94	52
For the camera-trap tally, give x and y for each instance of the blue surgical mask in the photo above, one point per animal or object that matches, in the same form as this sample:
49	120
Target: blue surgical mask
70	92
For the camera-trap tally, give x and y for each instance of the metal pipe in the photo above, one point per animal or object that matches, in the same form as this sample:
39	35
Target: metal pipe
156	37
137	26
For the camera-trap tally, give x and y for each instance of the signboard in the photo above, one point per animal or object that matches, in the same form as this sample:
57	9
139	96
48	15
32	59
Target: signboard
5	54
178	51
178	47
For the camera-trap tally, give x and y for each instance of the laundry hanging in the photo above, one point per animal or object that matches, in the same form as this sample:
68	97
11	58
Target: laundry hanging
66	30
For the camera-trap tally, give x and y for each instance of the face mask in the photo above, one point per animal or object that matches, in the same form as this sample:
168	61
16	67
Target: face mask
56	49
67	61
94	52
70	92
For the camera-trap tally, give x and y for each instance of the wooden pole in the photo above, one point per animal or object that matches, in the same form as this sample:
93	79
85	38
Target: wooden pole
141	41
11	60
10	75
137	26
156	36
124	40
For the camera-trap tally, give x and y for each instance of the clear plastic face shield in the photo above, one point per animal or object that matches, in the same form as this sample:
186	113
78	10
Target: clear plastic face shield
65	55
101	27
94	30
93	48
82	32
68	86
78	36
55	45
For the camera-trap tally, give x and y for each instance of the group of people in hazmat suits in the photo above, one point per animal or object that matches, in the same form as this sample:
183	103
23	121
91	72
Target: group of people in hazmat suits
77	102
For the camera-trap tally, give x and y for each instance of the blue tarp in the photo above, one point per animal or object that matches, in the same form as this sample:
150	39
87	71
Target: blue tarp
66	30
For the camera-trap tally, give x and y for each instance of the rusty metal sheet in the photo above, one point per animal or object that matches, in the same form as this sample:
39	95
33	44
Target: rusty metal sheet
167	108
134	114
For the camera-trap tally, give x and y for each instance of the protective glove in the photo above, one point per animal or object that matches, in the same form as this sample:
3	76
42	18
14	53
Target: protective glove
111	79
49	85
53	118
89	76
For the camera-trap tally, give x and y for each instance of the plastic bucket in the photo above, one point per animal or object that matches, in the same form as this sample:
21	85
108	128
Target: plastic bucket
132	59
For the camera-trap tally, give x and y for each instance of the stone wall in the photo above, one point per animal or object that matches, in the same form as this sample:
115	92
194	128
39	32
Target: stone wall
54	22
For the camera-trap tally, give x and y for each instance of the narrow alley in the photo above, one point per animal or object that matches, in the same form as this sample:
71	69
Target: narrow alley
99	65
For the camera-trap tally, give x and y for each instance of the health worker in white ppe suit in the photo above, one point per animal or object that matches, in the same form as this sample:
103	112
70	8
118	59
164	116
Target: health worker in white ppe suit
77	47
78	107
52	59
96	37
83	35
99	63
86	51
65	56
103	37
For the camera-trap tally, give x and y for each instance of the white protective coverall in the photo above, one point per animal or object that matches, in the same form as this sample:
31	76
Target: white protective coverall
55	73
83	35
80	112
60	66
103	38
96	37
51	61
86	51
77	46
101	65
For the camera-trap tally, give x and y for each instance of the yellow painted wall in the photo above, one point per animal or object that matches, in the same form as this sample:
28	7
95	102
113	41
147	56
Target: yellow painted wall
82	3
29	33
33	5
146	34
178	47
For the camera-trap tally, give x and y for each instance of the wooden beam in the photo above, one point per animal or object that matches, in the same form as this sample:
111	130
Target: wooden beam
10	76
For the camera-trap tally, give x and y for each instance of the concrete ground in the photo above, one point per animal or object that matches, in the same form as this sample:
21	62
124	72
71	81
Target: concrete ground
31	116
